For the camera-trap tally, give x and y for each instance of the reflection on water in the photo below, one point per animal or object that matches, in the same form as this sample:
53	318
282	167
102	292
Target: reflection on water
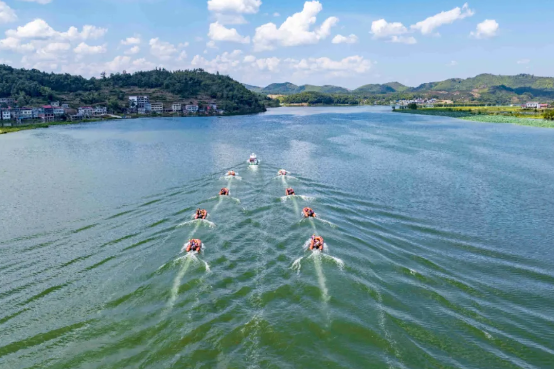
438	237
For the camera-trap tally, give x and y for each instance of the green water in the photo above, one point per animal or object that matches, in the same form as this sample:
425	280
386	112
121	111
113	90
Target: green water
439	237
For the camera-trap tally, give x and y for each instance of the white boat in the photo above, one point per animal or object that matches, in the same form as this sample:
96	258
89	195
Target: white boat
253	160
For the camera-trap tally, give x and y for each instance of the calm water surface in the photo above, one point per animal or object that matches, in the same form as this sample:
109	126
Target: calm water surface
440	239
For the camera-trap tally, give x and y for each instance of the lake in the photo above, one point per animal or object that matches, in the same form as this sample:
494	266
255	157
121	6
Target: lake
438	234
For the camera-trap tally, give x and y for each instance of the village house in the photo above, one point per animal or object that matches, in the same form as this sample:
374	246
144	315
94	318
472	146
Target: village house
191	109
85	111
26	113
7	101
99	110
543	106
37	112
6	115
176	107
58	112
157	107
532	105
65	106
48	114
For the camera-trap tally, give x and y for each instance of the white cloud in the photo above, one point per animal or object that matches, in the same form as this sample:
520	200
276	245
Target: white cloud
486	29
38	29
223	63
7	14
84	49
142	64
211	45
524	61
266	64
453	63
340	39
57	46
135	40
230	18
14	44
184	44
295	30
234	6
118	64
182	56
427	26
133	50
410	40
276	14
161	49
38	1
219	32
383	29
340	68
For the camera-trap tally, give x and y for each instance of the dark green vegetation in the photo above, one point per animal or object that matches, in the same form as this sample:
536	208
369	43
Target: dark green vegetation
317	98
484	89
549	115
34	87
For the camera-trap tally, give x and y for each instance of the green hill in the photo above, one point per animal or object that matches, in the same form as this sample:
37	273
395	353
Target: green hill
374	89
253	88
280	89
485	81
33	87
398	87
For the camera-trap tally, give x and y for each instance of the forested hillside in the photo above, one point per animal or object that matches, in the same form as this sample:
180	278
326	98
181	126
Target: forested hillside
30	86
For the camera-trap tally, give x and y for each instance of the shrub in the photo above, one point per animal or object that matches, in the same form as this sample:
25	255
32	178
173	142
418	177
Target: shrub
549	115
412	106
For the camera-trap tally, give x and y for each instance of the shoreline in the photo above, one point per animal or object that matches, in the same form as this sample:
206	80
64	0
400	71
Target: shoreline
482	118
13	129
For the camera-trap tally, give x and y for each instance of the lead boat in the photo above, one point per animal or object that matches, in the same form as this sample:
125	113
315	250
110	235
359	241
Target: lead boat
253	160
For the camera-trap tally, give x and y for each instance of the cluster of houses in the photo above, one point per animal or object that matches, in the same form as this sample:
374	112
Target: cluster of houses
428	103
534	105
142	105
46	113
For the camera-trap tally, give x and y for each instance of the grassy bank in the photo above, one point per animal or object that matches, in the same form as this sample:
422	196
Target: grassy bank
4	130
509	115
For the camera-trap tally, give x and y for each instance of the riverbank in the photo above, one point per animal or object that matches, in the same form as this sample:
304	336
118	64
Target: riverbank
485	116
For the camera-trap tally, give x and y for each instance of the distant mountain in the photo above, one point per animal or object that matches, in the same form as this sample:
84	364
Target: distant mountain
252	88
398	87
288	88
484	87
280	89
485	81
328	89
374	89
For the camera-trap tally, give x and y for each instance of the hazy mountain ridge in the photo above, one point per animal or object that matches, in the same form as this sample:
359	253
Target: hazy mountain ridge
482	84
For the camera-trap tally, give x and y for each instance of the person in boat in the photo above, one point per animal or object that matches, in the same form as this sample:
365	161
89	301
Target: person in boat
194	245
231	173
253	158
224	192
316	243
201	214
282	172
308	213
290	191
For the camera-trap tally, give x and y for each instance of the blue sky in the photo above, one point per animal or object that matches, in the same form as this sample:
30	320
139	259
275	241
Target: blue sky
347	43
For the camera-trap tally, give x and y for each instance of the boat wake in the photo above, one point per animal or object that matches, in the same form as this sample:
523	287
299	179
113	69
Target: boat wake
198	222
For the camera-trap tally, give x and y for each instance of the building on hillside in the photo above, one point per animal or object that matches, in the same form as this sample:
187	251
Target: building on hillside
65	106
7	100
532	105
137	102
6	115
543	106
176	107
58	112
55	104
157	107
85	111
99	110
37	112
48	113
191	109
25	113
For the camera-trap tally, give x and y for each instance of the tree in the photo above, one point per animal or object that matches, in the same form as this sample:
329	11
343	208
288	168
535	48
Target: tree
412	106
114	106
549	115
